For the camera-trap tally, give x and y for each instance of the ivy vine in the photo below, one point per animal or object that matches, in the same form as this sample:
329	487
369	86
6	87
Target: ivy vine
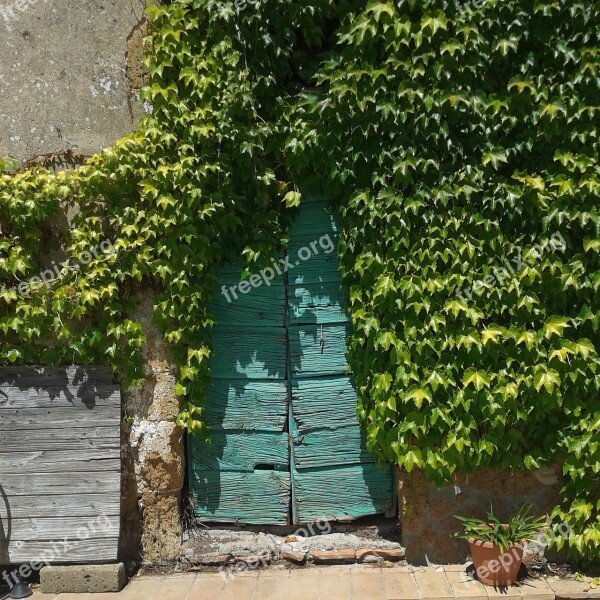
461	145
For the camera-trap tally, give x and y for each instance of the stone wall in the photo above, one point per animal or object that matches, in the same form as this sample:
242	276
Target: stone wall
153	473
426	513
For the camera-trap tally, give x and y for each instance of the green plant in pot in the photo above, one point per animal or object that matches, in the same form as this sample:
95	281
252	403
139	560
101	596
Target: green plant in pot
496	547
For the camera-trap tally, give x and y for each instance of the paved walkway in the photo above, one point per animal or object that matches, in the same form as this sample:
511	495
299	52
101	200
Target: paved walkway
357	582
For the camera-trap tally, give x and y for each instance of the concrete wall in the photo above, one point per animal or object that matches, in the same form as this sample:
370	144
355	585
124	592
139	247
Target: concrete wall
63	75
426	513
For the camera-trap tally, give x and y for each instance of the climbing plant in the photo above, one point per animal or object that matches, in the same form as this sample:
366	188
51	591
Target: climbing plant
465	143
461	145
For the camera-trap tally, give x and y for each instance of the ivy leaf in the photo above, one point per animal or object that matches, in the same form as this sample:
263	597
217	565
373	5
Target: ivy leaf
383	285
479	379
412	458
555	326
292	199
546	378
591	244
378	8
434	21
495	156
418	395
382	382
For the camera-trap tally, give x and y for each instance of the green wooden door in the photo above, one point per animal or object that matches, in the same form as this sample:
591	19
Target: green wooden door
243	474
286	444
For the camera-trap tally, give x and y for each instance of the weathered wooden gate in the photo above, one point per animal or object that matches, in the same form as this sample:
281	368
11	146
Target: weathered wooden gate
60	465
286	444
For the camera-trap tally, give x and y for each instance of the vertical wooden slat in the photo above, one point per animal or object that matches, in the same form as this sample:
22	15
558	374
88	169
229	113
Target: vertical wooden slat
242	474
333	476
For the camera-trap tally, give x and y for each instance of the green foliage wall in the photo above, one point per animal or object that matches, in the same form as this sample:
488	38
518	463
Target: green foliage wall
455	139
466	141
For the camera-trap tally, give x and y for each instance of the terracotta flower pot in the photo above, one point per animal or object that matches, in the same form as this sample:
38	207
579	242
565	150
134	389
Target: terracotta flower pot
493	567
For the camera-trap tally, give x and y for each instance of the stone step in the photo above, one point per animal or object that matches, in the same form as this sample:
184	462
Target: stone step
216	547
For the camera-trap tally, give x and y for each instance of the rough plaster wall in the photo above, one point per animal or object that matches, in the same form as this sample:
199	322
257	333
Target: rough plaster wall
63	75
426	513
155	473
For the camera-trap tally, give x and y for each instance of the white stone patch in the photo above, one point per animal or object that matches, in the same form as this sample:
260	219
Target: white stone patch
106	84
145	435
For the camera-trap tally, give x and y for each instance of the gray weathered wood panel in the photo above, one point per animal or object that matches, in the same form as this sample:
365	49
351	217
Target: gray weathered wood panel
81	399
59	464
68	505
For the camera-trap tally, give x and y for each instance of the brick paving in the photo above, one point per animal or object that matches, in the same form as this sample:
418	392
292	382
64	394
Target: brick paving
355	582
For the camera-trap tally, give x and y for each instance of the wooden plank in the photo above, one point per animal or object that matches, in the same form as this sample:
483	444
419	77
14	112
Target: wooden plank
58	461
86	398
328	447
109	443
19	484
319	268
314	216
342	493
248	352
66	505
38	419
317	303
310	358
260	498
240	451
246	405
231	274
40	376
97	550
323	401
314	236
51	528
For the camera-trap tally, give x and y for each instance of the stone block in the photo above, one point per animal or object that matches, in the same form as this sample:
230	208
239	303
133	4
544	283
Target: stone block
536	589
434	584
333	556
386	554
296	557
83	579
569	589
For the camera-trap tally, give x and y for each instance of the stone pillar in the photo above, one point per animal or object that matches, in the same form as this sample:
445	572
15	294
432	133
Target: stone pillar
156	446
